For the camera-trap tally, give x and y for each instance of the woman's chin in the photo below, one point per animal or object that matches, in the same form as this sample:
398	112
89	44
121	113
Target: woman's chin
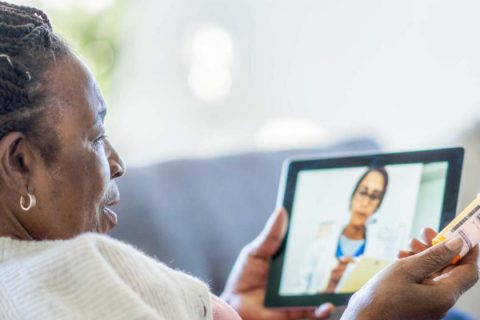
360	223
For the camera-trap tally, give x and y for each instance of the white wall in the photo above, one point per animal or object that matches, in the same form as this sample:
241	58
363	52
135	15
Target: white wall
406	72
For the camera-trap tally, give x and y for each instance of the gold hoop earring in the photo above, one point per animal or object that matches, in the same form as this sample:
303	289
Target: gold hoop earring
32	202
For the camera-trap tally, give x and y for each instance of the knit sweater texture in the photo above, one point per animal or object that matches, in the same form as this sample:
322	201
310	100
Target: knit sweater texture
93	277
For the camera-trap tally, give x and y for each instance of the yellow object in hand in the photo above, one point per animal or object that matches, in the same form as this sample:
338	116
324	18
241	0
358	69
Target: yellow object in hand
466	225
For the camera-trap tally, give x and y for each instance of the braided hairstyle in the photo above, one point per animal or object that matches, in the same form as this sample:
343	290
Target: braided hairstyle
28	47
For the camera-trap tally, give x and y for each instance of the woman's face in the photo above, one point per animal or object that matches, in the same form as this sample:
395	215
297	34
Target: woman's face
74	192
367	197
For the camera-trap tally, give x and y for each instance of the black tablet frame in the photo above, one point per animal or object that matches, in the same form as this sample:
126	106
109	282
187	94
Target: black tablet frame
286	195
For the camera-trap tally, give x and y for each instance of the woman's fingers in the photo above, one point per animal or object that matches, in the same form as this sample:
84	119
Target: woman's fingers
427	235
322	312
417	246
403	254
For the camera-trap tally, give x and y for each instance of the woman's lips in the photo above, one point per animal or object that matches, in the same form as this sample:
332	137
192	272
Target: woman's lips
112	219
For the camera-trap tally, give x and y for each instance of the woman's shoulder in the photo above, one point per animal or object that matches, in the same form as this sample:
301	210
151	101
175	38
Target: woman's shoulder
117	256
88	254
113	251
93	268
83	251
95	239
124	258
84	245
96	242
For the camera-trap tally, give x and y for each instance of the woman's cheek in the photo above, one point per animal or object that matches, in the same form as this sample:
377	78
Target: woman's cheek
103	169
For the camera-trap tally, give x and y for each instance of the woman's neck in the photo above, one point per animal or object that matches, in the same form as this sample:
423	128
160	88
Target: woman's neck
11	227
354	232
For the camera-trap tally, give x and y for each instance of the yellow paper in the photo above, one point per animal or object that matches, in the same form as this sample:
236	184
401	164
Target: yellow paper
358	273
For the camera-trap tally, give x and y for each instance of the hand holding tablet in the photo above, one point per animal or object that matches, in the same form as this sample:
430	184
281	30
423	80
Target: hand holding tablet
350	216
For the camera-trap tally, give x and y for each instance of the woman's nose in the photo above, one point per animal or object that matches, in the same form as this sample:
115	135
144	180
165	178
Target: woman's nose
366	201
117	165
117	168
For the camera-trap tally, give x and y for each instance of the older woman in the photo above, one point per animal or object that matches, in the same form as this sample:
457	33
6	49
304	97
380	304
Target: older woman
57	178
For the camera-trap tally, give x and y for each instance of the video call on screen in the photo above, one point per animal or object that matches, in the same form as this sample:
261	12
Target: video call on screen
349	223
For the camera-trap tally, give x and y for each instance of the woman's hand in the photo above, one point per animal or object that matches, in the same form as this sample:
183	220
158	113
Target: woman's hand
422	244
419	245
417	286
222	311
245	288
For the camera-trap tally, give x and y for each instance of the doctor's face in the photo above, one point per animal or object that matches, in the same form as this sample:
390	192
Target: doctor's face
367	197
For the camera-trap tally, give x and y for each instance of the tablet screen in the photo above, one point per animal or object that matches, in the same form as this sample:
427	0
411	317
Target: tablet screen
350	216
348	223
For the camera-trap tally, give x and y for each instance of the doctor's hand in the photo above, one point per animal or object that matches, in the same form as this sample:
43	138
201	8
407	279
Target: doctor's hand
245	288
407	290
337	274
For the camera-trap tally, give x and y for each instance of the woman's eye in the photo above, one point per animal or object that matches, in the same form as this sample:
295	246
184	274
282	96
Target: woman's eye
100	139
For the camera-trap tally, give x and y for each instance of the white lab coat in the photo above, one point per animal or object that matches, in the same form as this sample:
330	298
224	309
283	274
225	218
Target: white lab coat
320	257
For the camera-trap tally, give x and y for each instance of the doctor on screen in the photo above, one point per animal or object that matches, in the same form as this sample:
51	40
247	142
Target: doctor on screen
339	244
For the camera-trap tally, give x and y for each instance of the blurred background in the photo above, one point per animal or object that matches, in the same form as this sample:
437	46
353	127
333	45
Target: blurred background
212	77
189	78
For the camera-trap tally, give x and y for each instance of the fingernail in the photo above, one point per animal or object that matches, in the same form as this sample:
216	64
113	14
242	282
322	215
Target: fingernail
454	244
284	221
320	311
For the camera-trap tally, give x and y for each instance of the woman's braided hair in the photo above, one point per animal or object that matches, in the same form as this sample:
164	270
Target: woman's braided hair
28	47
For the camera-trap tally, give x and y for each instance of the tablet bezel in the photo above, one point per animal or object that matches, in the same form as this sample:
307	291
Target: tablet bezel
286	194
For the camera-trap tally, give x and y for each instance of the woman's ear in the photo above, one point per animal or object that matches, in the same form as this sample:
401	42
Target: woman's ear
16	162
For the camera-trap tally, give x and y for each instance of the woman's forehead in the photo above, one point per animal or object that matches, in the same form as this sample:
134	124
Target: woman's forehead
75	90
373	179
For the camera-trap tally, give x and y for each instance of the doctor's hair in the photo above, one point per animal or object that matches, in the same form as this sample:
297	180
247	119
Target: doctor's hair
383	172
28	47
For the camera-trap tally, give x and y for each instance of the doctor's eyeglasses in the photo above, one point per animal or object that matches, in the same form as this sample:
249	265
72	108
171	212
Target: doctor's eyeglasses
373	197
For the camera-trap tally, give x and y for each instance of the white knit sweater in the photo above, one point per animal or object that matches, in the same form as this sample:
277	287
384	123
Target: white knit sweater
93	277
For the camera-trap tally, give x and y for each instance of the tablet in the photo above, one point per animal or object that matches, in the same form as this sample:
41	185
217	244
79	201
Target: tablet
349	217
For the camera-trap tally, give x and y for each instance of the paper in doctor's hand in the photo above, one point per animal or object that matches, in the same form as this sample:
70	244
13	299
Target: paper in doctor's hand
337	273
